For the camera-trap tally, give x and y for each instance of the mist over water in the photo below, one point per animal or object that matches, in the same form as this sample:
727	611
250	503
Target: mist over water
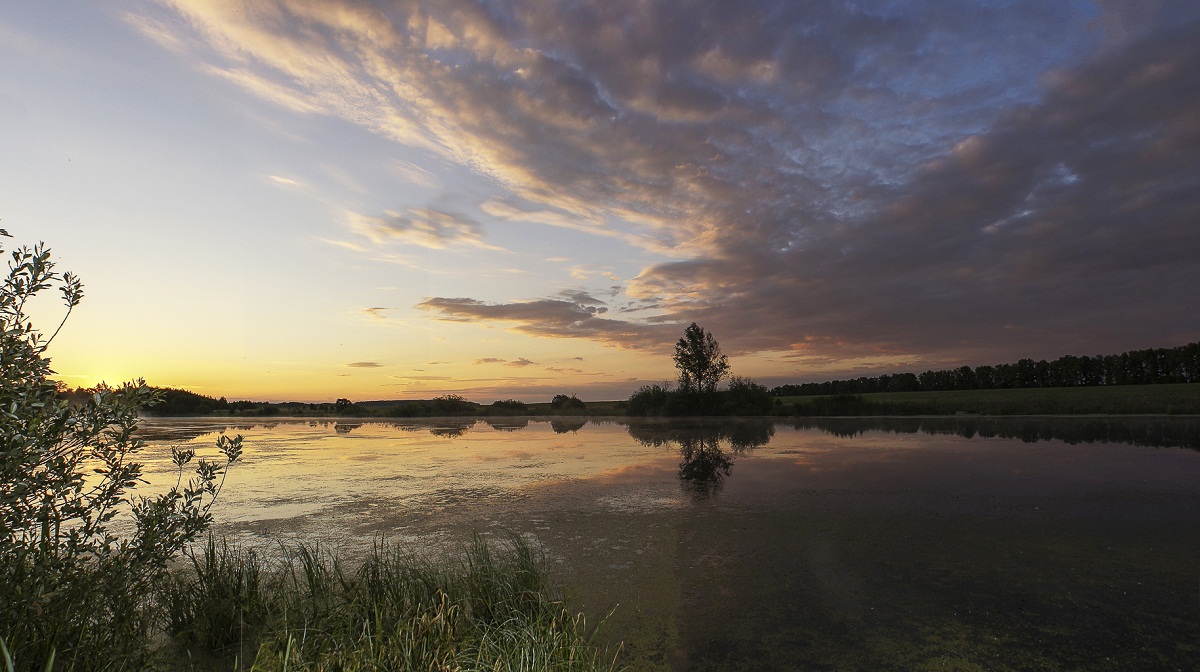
848	544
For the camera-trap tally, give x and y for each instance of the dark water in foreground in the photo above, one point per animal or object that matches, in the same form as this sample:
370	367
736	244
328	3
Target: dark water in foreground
916	544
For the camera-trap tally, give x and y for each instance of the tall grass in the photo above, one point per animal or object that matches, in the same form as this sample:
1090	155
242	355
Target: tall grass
492	608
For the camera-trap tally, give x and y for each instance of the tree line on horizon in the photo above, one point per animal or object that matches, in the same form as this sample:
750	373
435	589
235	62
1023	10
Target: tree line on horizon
1136	367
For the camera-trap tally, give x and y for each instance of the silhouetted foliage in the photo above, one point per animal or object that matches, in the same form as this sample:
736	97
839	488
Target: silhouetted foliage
746	397
562	402
649	400
701	367
72	590
1136	367
174	402
451	404
507	407
699	360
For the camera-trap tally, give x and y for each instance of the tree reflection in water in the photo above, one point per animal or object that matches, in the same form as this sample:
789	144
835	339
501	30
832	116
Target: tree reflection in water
565	425
451	431
704	463
507	424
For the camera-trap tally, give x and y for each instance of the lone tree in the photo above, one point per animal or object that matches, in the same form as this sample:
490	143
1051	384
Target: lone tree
699	360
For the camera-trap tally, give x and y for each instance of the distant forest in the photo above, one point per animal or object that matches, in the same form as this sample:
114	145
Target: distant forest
1136	367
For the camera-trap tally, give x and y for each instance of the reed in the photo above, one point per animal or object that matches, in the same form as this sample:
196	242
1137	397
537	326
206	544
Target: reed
491	608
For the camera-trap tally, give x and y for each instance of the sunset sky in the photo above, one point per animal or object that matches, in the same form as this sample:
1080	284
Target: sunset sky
313	199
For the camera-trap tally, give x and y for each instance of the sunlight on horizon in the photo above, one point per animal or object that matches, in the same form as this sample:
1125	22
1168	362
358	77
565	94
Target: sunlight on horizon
299	201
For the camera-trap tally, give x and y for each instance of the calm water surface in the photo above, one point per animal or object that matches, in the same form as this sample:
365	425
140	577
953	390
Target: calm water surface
907	544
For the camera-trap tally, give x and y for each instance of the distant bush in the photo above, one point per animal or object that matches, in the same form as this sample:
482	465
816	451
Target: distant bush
649	400
743	397
174	402
746	397
508	407
451	404
562	402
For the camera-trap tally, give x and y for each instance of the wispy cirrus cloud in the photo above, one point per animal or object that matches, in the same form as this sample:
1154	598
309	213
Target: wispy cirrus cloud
424	227
365	365
830	177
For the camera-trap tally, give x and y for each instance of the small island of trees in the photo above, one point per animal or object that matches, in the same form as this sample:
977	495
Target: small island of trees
701	368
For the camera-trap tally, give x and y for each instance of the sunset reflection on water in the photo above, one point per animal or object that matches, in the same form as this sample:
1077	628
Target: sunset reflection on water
832	545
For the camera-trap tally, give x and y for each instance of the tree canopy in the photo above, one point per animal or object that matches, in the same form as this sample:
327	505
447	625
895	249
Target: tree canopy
699	360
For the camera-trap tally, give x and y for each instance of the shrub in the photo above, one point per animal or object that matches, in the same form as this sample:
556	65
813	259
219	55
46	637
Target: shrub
73	590
451	404
746	397
508	407
562	402
649	400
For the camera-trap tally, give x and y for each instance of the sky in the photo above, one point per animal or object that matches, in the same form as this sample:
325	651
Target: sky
314	199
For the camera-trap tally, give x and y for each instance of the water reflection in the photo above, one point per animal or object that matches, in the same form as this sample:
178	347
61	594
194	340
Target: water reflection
1156	432
901	546
704	464
452	430
567	425
507	424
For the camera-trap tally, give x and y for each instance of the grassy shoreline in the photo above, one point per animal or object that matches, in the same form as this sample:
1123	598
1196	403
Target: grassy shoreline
491	607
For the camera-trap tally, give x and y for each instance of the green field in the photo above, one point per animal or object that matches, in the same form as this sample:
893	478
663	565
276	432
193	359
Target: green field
1178	399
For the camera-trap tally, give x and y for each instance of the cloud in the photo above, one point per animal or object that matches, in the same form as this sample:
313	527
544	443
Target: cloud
420	226
156	30
555	318
413	174
365	365
283	181
267	89
837	179
490	360
423	378
522	362
375	312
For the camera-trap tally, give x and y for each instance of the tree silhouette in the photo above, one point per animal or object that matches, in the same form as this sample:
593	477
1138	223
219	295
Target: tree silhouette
699	360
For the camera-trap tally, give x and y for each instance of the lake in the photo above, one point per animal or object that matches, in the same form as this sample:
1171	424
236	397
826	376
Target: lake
928	543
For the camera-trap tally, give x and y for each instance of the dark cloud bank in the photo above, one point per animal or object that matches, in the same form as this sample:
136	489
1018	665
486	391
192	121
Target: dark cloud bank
941	181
